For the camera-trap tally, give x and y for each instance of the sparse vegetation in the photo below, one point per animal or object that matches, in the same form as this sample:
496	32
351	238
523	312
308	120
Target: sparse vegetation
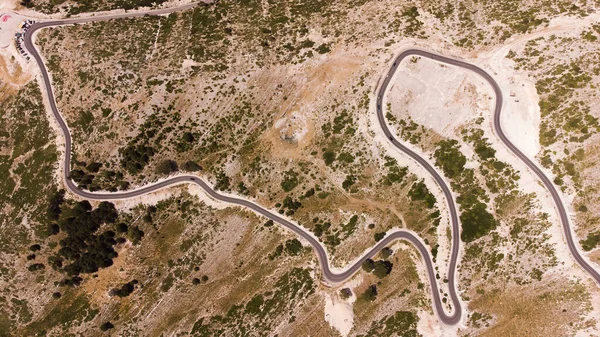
220	77
402	323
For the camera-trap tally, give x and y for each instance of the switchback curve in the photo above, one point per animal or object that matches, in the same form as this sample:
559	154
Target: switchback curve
564	218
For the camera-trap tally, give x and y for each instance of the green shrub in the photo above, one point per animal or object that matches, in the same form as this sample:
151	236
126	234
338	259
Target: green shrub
449	158
476	222
293	247
419	191
370	294
135	234
386	252
290	181
484	151
590	242
346	157
106	326
191	166
253	306
345	293
382	268
368	265
323	49
167	167
348	182
329	157
379	236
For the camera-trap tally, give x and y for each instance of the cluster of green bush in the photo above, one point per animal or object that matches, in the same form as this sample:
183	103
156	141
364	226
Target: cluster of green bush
320	226
134	157
125	290
223	182
89	176
498	175
409	130
476	221
449	158
349	227
342	124
83	249
149	141
290	180
186	142
291	247
289	206
380	268
419	191
395	173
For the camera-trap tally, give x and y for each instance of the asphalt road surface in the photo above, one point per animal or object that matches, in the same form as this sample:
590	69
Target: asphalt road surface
329	275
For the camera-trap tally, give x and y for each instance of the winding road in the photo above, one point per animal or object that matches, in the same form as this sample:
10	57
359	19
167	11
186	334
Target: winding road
564	218
328	274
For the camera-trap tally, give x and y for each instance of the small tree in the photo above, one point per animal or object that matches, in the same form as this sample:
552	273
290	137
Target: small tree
345	293
191	166
106	326
166	167
56	200
368	265
122	227
370	294
125	290
379	236
53	229
36	266
94	167
188	137
293	247
290	181
328	157
135	234
386	252
382	268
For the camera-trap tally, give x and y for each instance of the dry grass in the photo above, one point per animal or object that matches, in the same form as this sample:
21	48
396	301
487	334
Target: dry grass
550	308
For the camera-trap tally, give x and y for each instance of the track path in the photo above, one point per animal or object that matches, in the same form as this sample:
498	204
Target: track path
328	274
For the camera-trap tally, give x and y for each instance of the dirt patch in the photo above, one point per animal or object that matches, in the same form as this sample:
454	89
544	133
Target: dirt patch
294	127
12	78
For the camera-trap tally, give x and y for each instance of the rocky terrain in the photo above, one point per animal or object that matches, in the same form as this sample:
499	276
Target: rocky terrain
275	102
